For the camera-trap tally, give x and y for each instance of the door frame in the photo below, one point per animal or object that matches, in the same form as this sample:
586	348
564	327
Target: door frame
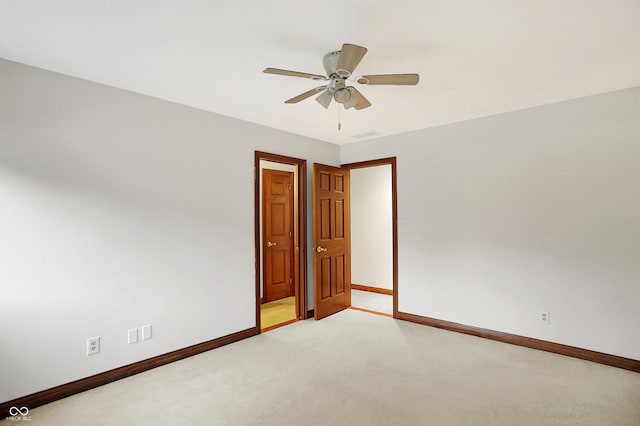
394	207
300	267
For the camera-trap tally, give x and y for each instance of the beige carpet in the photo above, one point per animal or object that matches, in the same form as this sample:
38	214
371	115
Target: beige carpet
356	368
277	312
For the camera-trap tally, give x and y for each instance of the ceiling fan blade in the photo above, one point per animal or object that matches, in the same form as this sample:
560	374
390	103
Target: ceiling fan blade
304	95
325	99
294	74
357	101
396	79
350	57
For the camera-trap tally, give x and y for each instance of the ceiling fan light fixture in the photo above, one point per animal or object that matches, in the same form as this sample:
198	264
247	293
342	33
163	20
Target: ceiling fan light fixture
352	101
342	95
325	98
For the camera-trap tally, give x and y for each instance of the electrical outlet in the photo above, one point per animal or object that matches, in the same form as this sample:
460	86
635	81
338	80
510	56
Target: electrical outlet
546	317
93	345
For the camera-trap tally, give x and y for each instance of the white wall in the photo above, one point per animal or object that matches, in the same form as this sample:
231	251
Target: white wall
372	227
504	217
119	210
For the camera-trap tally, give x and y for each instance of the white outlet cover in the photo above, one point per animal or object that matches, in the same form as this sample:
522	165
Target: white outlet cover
146	332
133	335
93	345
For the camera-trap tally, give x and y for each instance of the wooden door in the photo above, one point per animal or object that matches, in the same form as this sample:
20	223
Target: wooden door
331	240
277	238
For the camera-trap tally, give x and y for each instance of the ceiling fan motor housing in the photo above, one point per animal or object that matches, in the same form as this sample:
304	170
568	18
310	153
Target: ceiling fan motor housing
330	63
338	77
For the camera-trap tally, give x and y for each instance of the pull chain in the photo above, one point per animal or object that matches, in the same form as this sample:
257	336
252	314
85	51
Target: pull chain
339	123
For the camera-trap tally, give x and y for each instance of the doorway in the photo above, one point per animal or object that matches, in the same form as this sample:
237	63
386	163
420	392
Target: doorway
374	240
280	225
333	249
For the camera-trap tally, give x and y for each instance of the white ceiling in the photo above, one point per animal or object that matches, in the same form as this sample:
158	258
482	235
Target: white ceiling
475	58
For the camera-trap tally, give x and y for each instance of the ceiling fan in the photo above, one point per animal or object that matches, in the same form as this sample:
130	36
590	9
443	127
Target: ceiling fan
339	66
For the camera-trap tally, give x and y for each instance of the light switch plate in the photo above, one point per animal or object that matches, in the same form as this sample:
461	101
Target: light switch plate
146	332
133	335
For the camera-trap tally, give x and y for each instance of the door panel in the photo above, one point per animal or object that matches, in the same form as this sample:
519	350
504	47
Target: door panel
277	234
340	275
339	208
325	278
332	240
325	219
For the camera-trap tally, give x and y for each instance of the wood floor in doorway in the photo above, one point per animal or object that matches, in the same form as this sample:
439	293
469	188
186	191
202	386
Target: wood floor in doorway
277	313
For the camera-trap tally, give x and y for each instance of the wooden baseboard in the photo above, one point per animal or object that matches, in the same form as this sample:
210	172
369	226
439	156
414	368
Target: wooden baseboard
372	289
282	324
514	339
369	311
81	385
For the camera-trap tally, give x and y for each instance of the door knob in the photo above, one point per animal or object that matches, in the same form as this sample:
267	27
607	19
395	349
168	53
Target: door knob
270	244
320	249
